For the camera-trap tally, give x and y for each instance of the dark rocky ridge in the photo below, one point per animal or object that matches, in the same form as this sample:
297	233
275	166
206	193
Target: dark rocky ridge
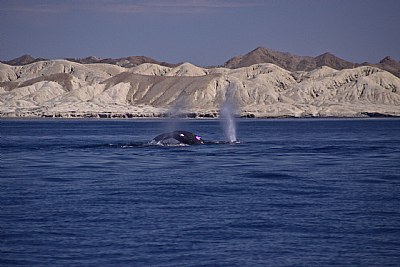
287	61
390	65
23	60
304	63
126	62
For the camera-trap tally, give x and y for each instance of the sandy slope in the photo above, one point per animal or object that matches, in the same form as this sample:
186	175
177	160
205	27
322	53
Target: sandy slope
67	89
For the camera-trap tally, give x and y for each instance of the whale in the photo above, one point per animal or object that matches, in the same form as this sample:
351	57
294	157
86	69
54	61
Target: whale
178	138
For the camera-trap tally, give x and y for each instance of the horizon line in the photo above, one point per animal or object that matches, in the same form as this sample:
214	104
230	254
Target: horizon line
129	7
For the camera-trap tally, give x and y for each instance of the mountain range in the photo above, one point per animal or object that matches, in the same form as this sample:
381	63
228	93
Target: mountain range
259	55
63	88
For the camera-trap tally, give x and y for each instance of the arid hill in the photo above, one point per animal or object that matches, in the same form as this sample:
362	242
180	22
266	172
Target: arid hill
61	88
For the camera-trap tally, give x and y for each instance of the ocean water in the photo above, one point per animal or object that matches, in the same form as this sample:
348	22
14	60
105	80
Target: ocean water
293	192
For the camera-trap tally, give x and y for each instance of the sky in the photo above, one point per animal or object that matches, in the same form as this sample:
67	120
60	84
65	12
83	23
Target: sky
202	32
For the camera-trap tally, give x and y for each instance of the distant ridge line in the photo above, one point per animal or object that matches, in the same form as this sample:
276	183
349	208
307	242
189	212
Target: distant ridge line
259	55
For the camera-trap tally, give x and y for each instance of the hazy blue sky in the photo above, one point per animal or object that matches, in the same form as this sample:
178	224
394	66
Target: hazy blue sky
203	32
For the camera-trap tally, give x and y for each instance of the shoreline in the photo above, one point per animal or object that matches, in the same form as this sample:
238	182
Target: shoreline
164	117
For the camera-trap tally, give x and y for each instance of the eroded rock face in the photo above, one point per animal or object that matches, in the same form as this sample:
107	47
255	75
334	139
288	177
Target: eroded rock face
61	88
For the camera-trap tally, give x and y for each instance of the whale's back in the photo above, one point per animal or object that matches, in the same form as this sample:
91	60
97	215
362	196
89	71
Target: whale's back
179	137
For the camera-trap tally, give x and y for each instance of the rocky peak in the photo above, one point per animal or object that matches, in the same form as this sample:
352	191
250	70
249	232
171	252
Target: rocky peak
23	60
388	60
390	65
330	60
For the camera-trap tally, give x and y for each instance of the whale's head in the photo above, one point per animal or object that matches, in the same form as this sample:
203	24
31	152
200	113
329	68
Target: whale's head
183	137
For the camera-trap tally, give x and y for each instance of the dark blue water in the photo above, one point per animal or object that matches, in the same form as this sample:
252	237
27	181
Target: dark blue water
293	193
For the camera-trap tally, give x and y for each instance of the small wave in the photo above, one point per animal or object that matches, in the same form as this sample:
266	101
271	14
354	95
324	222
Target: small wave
112	145
148	144
223	142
